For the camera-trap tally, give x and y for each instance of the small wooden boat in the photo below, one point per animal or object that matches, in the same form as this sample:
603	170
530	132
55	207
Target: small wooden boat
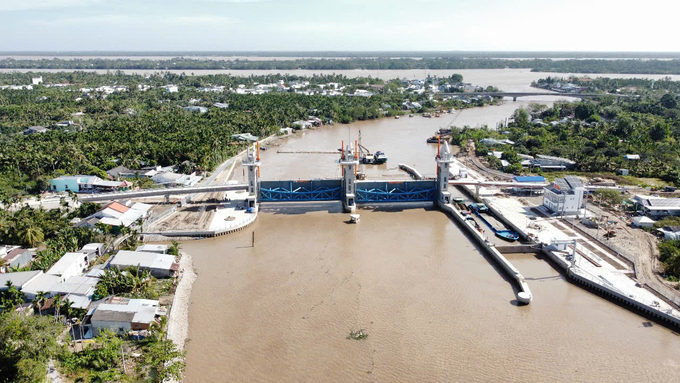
507	235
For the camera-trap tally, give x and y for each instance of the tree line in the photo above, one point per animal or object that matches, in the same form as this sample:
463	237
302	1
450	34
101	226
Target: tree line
654	66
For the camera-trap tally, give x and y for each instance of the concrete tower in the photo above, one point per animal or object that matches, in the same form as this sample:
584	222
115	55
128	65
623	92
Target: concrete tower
252	162
349	162
444	161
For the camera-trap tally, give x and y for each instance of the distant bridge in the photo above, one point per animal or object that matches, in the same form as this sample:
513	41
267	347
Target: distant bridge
167	192
515	95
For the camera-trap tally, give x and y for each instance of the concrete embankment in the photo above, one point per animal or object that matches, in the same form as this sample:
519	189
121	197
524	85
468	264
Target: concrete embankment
524	295
178	321
412	171
195	234
584	279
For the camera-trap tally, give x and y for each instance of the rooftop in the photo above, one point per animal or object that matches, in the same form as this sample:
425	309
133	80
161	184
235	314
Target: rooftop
65	262
125	258
18	279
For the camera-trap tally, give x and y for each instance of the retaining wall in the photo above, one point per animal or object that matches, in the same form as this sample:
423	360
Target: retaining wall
412	171
208	233
495	254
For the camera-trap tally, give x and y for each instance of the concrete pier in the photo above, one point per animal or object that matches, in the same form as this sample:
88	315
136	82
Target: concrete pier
412	171
524	296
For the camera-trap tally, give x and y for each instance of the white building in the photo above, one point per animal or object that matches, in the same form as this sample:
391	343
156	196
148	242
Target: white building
36	80
564	196
121	315
149	248
171	88
70	265
657	207
160	265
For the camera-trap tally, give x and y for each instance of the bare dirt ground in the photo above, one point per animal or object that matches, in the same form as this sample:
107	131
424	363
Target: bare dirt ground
637	245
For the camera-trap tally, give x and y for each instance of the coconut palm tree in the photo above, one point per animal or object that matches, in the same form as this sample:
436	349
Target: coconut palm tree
31	235
40	299
57	305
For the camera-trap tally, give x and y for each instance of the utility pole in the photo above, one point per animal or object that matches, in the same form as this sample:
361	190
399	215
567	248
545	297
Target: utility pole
123	357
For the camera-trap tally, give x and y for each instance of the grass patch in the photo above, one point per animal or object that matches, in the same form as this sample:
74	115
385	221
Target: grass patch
357	335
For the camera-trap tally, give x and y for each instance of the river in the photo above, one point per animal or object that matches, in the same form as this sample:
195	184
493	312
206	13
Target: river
508	80
435	308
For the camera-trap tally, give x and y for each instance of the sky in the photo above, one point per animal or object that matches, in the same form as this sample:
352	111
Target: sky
339	25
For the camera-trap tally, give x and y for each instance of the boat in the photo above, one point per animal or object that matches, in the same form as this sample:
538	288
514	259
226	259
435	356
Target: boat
504	234
479	207
507	235
458	200
379	157
463	209
396	117
433	140
410	115
427	115
437	115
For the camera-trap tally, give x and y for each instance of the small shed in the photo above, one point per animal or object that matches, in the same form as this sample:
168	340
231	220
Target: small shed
643	221
670	232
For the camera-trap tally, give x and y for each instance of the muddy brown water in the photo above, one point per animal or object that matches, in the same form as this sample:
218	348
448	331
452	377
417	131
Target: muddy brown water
435	308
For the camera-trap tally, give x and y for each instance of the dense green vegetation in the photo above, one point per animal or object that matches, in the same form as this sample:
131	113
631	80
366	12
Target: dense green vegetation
596	135
615	85
669	255
375	63
103	362
135	128
133	283
27	343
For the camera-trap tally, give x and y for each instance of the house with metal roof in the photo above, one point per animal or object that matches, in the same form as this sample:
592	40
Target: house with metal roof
151	248
19	279
16	256
160	265
36	129
70	265
657	207
564	196
122	315
84	184
670	232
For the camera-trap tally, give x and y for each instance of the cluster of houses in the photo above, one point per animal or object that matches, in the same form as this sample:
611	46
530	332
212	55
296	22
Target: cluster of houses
74	280
116	214
86	184
566	196
311	121
117	180
420	86
564	86
298	86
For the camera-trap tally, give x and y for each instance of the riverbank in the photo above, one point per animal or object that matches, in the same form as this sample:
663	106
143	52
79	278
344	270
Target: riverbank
178	320
590	264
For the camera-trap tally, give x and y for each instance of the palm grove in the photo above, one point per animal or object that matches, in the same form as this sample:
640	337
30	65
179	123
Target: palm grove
135	129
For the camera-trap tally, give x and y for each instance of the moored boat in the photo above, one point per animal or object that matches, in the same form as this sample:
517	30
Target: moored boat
507	235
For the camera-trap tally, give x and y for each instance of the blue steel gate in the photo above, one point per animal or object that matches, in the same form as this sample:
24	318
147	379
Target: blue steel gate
396	191
301	190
